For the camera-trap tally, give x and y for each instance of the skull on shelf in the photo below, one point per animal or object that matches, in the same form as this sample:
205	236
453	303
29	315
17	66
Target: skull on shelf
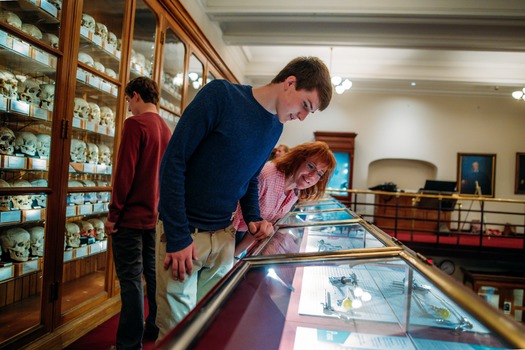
81	109
11	19
7	141
88	22
28	91
99	66
22	201
25	142
112	39
15	241
32	30
43	145
72	235
86	59
86	229
139	59
47	95
98	225
107	117
94	113
111	73
102	31
56	3
104	154
78	151
8	84
37	240
39	200
50	39
5	201
92	153
76	198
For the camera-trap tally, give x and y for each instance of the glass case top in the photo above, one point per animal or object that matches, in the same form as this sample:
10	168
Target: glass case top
310	218
316	206
372	303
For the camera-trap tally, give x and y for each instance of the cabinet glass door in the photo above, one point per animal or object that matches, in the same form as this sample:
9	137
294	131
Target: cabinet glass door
172	78
91	155
194	81
27	84
143	44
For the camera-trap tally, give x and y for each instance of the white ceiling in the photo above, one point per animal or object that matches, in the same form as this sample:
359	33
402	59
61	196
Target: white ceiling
445	46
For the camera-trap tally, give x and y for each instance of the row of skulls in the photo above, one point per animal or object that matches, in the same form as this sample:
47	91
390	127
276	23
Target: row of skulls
23	201
26	89
87	152
14	20
79	198
24	142
18	243
88	60
91	111
92	228
100	30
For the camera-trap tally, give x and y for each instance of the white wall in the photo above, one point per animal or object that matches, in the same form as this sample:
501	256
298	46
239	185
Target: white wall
422	127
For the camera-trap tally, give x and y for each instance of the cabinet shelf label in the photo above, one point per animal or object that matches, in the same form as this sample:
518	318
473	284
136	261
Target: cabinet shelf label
21	47
49	8
19	107
3	104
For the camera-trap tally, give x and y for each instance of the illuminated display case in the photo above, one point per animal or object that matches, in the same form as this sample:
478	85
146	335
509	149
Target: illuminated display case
325	204
302	218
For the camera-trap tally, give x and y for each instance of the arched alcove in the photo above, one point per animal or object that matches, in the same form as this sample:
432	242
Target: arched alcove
408	174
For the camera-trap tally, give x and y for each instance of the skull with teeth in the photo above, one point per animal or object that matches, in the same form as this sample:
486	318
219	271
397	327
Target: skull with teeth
43	145
16	242
72	235
47	95
88	22
8	84
32	30
81	109
112	39
50	39
94	113
11	19
92	153
23	201
98	226
25	142
107	117
86	229
75	198
78	151
7	141
39	200
5	201
28	91
37	240
102	31
104	154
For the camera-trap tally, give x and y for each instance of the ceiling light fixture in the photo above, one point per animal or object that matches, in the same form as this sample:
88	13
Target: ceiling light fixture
340	84
519	95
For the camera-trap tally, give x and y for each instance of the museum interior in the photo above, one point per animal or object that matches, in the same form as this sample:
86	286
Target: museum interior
419	241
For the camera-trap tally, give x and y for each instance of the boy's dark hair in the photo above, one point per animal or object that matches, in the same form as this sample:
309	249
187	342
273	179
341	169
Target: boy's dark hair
311	74
147	89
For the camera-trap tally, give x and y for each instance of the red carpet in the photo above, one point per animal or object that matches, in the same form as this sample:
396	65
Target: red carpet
104	336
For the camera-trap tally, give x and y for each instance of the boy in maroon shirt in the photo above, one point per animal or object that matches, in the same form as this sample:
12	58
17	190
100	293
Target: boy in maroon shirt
133	210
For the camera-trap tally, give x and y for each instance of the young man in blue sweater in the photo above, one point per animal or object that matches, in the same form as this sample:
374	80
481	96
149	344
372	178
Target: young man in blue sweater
212	162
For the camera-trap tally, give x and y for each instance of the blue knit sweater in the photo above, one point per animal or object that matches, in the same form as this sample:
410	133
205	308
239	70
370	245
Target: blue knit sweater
212	161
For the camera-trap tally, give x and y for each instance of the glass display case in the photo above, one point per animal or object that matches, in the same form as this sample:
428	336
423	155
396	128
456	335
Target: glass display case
319	205
301	218
389	300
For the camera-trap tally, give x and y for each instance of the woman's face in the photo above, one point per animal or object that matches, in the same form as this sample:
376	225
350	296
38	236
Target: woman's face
308	174
280	152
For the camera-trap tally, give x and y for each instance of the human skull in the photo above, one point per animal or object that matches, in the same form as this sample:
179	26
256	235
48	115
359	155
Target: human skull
99	66
37	240
81	109
39	200
72	235
86	229
47	95
111	73
5	201
23	201
98	226
94	113
56	3
112	39
43	145
15	241
102	31
90	196
88	22
8	84
25	142
86	59
11	19
140	60
7	141
107	117
32	30
104	154
78	151
92	153
50	39
28	91
76	198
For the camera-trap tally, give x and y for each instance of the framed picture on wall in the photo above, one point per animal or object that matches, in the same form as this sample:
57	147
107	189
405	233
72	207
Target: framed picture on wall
520	174
476	174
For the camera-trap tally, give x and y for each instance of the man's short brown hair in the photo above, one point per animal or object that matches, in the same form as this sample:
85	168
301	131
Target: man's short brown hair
147	89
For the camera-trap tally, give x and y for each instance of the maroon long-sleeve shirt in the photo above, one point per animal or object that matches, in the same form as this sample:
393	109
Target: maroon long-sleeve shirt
135	195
